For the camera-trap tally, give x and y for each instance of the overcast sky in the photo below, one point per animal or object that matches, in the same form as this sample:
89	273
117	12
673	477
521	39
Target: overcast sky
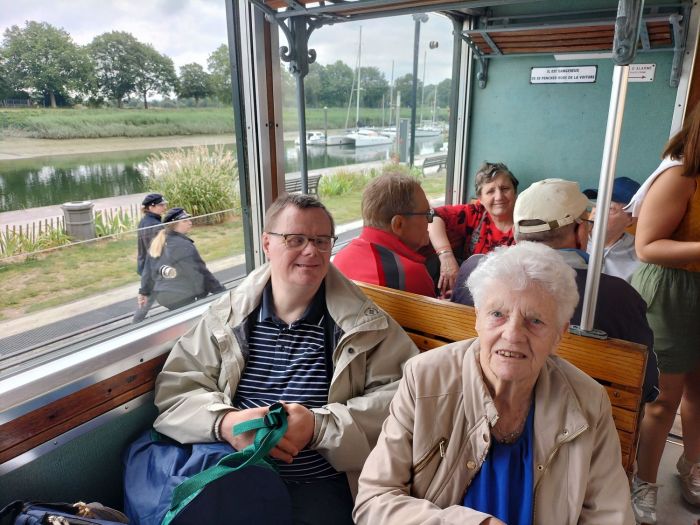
189	30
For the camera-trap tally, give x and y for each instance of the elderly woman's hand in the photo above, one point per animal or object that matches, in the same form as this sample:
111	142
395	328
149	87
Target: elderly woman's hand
448	272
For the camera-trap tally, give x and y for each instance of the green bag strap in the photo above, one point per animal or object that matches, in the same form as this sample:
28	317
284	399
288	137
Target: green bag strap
270	429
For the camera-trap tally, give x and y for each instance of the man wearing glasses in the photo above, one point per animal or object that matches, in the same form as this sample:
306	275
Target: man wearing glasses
295	331
396	214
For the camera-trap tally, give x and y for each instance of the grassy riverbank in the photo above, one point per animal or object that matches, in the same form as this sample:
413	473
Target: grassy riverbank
101	123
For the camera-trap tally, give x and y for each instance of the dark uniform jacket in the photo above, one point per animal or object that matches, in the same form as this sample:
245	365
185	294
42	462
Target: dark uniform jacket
149	226
192	280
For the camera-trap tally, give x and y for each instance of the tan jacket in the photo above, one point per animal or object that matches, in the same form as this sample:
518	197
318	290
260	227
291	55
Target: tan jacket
199	379
433	443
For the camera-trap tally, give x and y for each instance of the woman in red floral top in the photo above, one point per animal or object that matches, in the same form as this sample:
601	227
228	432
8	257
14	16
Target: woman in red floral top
465	229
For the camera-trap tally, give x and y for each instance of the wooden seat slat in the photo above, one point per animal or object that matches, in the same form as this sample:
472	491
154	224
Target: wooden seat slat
618	365
624	362
622	398
625	419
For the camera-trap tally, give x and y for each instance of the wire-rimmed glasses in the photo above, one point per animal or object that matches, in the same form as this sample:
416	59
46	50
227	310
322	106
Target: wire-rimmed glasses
298	241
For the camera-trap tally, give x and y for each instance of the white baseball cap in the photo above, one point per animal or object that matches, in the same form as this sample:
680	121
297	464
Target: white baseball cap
553	202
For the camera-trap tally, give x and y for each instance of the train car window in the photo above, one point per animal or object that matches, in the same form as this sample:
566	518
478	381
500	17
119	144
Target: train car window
358	109
137	129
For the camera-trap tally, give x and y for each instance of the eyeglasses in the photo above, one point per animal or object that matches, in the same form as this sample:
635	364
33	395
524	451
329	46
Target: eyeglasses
298	241
429	215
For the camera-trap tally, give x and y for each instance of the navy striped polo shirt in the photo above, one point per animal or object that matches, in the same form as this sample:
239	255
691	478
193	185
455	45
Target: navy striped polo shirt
289	363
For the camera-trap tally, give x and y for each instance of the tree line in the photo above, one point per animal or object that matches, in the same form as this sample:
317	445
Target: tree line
42	62
332	85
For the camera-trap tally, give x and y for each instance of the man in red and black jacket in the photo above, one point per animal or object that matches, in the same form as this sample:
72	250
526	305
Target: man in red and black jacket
396	214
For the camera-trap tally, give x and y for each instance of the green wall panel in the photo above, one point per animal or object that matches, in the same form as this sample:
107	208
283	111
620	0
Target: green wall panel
88	468
557	130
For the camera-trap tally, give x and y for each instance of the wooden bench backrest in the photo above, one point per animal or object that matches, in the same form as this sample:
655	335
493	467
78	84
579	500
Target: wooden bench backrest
618	365
435	160
294	185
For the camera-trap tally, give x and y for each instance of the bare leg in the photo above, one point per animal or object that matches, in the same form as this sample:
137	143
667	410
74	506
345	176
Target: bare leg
690	416
657	423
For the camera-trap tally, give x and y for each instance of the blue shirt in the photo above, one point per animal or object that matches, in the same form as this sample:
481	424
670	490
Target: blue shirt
504	486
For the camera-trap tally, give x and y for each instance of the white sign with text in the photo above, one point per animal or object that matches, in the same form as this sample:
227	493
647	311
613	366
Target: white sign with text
642	72
563	75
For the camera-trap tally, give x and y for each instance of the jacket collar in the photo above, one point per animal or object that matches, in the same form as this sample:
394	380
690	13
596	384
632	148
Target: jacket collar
390	241
558	413
574	257
345	302
312	315
178	234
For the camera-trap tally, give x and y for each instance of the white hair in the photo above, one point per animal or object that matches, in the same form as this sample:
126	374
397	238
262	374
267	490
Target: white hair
525	264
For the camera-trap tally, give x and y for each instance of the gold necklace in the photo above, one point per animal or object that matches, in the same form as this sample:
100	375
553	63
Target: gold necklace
511	437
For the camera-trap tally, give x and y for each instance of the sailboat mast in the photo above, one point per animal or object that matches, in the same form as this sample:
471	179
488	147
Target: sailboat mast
391	92
359	76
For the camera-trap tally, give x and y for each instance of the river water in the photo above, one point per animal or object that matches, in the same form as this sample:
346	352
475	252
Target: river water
45	181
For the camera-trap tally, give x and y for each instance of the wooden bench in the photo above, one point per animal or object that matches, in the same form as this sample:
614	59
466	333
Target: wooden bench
618	365
435	160
294	185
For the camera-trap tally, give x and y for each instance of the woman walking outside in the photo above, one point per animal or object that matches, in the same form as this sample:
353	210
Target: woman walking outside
175	272
668	243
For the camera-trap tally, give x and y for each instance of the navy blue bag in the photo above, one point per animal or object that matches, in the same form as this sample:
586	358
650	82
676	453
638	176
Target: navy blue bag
154	465
207	482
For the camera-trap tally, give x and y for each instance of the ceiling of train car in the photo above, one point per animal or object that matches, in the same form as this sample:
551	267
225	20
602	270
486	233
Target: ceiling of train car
360	9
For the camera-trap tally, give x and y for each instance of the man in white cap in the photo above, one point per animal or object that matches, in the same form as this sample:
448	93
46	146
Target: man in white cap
555	212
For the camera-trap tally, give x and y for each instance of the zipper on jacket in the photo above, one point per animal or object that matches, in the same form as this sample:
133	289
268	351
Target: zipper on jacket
551	457
440	447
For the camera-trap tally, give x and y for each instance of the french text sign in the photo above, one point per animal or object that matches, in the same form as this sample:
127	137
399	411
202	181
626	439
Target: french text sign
642	72
563	75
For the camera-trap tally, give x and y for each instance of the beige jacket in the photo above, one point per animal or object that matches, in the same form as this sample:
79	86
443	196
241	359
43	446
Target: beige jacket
433	443
199	379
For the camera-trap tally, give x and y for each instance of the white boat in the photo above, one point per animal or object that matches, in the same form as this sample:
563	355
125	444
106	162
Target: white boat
313	138
421	131
389	132
368	137
428	131
338	140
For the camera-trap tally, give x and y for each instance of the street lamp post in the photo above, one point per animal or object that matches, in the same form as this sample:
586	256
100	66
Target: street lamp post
325	124
433	45
422	17
422	86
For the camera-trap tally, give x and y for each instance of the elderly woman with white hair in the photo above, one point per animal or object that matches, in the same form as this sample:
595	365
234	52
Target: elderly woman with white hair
498	429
